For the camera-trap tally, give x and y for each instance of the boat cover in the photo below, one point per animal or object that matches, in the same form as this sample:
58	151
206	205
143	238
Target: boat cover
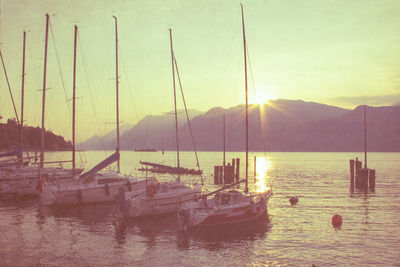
17	152
111	159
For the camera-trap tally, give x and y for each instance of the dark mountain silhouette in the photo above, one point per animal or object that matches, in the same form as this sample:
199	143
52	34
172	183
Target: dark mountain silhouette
151	132
108	141
282	125
10	138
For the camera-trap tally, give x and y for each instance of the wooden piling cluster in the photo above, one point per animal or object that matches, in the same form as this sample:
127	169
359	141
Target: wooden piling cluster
227	174
361	178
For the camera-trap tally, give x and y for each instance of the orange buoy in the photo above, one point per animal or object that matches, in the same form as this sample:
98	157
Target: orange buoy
336	220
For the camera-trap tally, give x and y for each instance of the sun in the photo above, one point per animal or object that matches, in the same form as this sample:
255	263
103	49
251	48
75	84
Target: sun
262	96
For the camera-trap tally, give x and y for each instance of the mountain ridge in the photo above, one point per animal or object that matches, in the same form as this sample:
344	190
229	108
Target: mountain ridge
281	125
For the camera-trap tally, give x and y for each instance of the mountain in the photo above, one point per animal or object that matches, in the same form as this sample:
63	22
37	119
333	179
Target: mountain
105	142
280	125
270	126
346	132
150	132
155	131
10	138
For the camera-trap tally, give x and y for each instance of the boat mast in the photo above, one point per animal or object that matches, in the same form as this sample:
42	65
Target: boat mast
73	103
22	93
44	91
116	86
224	138
247	107
176	115
365	136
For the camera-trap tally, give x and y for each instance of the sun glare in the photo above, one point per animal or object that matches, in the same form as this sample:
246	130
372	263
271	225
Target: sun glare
262	96
262	167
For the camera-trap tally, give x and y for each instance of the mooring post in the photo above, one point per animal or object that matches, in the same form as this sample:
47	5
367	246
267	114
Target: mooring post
255	168
372	180
363	178
352	174
221	175
358	176
216	173
228	174
237	169
233	167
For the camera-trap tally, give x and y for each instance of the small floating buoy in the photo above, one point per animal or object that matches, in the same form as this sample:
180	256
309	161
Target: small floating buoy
336	220
293	200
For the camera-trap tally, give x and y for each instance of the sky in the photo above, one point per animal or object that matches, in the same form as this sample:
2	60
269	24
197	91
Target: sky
337	52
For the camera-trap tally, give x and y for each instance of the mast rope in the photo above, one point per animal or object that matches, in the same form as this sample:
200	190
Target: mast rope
9	87
61	77
59	67
90	92
143	135
187	117
254	89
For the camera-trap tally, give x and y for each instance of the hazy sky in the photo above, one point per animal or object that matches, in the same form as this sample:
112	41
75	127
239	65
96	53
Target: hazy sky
339	52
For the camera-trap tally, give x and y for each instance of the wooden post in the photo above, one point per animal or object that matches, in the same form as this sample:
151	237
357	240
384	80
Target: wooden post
225	173
237	169
221	177
363	178
358	168
372	180
228	174
352	174
255	168
216	173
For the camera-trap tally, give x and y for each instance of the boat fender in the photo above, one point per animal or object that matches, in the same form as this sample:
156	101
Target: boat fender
129	186
39	185
79	195
107	187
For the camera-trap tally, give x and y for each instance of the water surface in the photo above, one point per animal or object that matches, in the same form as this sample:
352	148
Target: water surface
299	235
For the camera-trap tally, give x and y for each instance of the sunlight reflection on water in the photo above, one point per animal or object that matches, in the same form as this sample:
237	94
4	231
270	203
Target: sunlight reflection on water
263	165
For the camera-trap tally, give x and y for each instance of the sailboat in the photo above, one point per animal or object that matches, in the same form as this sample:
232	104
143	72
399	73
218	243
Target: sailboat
226	207
93	186
23	180
162	197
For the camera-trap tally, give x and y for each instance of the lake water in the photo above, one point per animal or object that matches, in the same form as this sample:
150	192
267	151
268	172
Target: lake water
299	235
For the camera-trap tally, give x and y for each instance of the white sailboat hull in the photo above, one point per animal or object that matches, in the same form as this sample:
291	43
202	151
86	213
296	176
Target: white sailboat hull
168	199
75	193
211	213
24	181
